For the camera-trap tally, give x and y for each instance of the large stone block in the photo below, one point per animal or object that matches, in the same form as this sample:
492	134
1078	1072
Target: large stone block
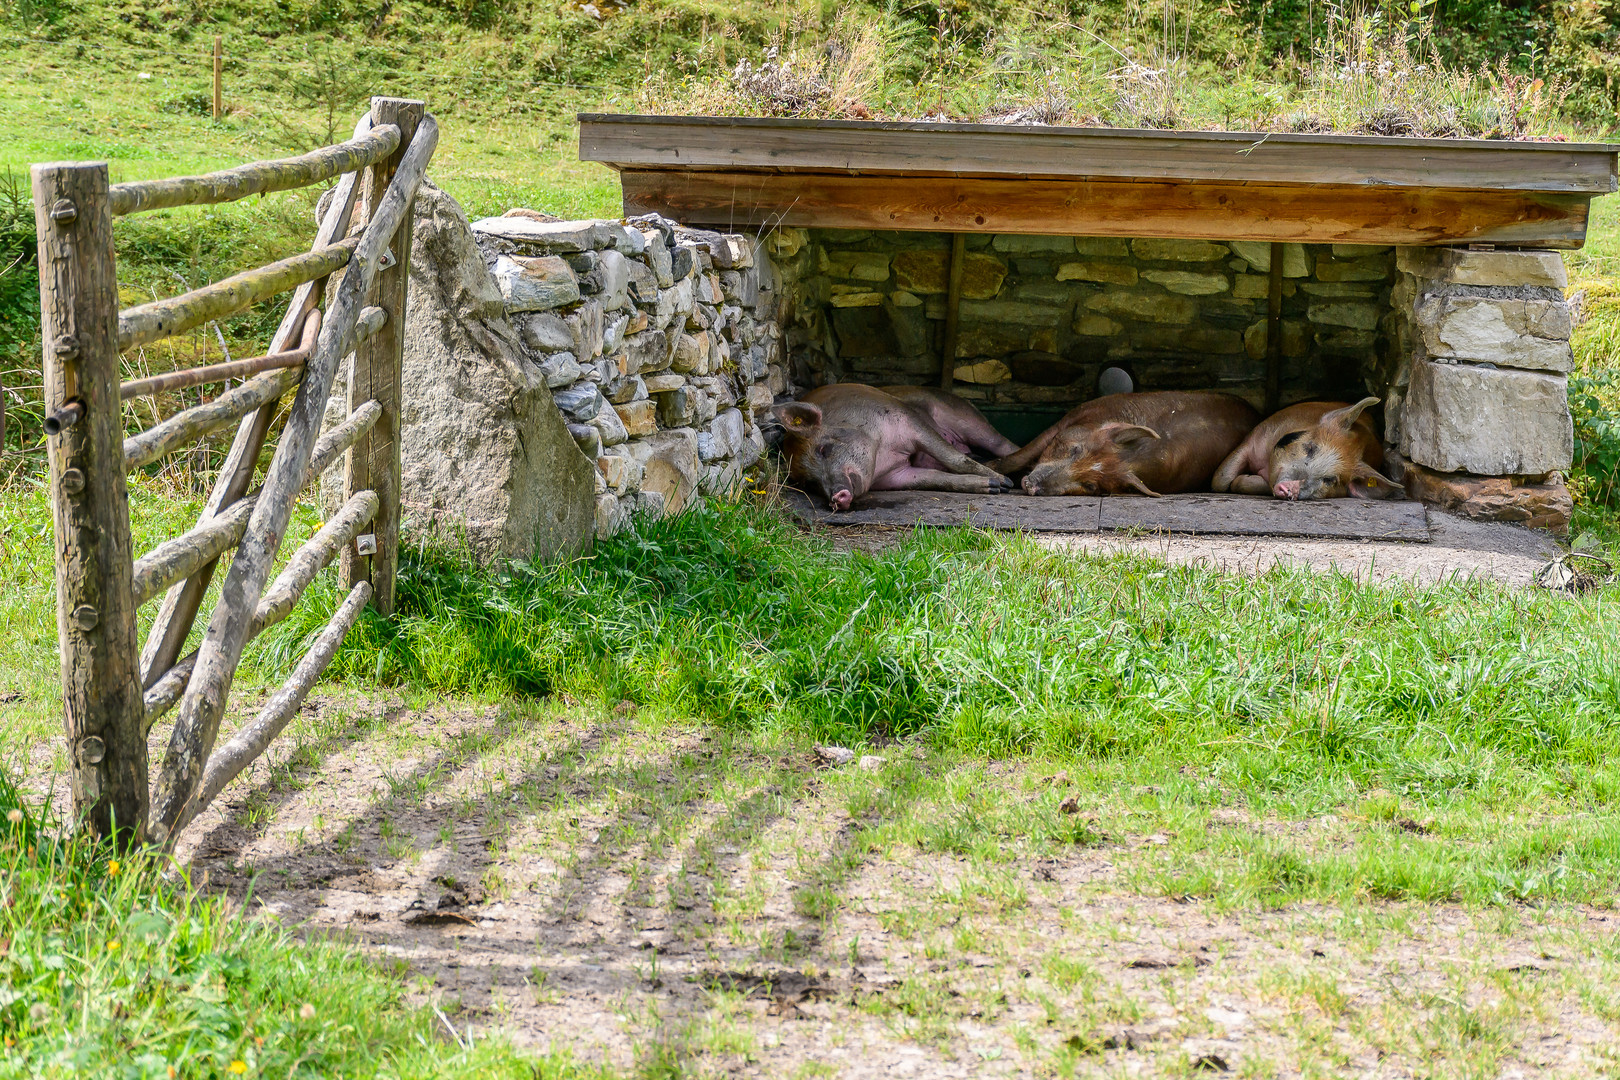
1543	269
982	372
1184	251
1144	306
535	283
854	265
487	459
1530	334
1257	253
1538	503
1188	283
1013	311
929	272
1020	243
1486	421
669	466
562	236
1106	273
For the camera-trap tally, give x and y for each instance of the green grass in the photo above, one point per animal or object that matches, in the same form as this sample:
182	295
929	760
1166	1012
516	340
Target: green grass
1292	694
117	967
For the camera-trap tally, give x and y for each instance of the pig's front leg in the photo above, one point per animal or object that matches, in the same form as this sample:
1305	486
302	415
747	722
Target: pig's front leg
954	460
914	478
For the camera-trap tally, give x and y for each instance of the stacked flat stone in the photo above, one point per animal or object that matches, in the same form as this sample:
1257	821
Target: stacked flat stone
1483	403
1041	316
660	345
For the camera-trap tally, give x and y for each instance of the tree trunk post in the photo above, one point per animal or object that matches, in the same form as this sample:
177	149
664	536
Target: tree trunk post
95	614
374	462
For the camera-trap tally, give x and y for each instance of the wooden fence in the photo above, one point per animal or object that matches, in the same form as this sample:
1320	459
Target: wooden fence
113	690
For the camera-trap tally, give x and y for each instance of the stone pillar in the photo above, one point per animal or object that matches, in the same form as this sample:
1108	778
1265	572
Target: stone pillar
1481	412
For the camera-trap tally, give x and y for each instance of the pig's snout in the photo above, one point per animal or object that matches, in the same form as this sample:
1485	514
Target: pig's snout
1286	489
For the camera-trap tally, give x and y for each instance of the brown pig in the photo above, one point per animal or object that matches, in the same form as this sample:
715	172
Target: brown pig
1312	450
1153	443
847	439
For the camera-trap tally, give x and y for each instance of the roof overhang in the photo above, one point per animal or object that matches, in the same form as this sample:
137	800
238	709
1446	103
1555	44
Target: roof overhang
753	173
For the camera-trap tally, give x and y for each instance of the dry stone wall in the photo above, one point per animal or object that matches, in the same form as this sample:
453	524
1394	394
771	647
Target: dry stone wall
659	344
1480	396
1041	316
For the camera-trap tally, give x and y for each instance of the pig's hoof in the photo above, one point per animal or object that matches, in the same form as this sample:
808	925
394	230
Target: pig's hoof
1000	485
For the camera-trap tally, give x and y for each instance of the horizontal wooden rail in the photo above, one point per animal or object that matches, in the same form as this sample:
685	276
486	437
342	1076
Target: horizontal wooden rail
198	376
371	320
163	693
314	553
186	427
177	559
258	178
176	314
228	761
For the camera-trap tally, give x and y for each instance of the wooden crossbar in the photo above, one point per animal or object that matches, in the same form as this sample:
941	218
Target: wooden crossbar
176	314
258	178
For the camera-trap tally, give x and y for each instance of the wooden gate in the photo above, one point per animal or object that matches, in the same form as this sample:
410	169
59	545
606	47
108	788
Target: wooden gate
114	691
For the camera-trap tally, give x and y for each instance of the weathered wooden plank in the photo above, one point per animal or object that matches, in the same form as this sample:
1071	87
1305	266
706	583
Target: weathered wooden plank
1068	513
376	375
1248	515
1211	211
95	614
204	701
640	142
257	178
179	611
176	314
1230	515
247	744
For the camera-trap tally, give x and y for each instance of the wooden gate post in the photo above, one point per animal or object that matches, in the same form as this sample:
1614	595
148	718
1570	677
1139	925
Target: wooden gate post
374	462
95	602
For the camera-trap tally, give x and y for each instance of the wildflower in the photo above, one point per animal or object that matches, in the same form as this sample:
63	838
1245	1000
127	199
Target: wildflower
113	867
14	816
112	946
38	1011
306	1011
172	1073
237	1067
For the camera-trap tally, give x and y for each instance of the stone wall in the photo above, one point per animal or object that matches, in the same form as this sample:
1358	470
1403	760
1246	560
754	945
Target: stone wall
658	343
1479	395
1041	316
1469	350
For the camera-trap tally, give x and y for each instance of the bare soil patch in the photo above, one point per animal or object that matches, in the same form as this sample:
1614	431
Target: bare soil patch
631	891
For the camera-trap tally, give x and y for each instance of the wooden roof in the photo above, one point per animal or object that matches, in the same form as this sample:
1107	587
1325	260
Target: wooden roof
756	172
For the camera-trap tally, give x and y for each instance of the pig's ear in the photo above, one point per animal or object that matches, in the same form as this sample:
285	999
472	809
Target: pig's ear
1128	435
1345	419
1136	482
1367	482
798	415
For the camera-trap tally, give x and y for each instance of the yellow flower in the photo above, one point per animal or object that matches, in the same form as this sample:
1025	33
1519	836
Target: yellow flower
172	1073
112	946
238	1067
113	868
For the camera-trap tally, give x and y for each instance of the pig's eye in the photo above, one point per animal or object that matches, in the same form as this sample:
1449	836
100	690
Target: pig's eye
823	449
1331	481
